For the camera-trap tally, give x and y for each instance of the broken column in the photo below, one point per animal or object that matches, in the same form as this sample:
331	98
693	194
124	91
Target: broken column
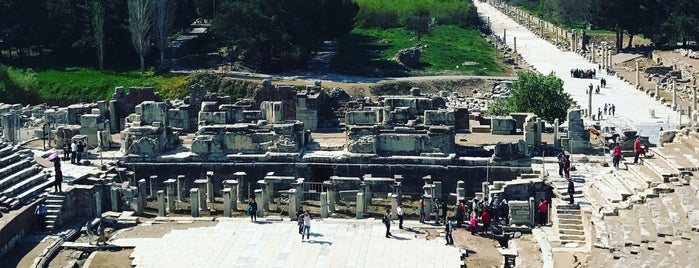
394	205
323	205
460	191
657	91
674	96
137	204
181	190
504	37
194	201
514	44
98	199
153	183
264	202
398	188
437	190
115	200
694	98
201	184
210	186
556	141
638	76
360	205
259	195
161	203
293	205
142	191
170	192
233	186
242	190
227	202
332	194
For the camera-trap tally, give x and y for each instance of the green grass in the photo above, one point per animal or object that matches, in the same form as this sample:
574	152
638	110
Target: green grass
85	85
446	48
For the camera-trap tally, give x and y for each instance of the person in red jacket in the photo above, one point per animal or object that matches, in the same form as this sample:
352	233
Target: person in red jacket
486	219
637	149
543	212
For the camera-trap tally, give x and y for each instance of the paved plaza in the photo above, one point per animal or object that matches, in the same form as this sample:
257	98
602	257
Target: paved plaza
237	242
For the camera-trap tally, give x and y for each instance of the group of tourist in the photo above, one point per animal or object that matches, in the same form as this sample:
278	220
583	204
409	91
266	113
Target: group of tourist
484	212
583	73
563	164
638	152
76	151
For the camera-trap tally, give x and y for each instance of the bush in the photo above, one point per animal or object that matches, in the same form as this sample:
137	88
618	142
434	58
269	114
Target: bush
384	14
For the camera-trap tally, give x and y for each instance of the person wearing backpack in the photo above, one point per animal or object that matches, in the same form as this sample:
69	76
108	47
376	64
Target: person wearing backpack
447	232
252	207
387	221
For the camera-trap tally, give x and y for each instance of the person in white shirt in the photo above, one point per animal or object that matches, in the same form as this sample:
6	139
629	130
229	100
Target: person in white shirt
306	226
400	212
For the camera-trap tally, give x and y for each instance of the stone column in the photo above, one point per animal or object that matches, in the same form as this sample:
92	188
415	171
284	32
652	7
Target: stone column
504	37
98	200
657	91
242	190
201	184
428	207
556	141
181	190
161	203
227	202
592	49
210	186
170	192
137	203
264	202
367	195
437	190
514	43
132	178
541	29
394	206
293	205
323	205
299	190
532	211
194	201
113	120
269	193
638	77
674	96
460	191
332	195
590	112
142	191
484	189
360	206
114	194
153	183
694	98
260	195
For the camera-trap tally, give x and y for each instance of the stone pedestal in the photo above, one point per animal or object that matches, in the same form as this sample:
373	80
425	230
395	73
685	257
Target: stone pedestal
556	141
360	206
694	98
332	195
153	186
142	192
211	197
201	184
242	186
181	190
259	195
114	198
323	205
98	200
428	207
293	205
161	203
227	202
437	190
170	192
263	202
137	205
638	76
194	201
460	191
233	185
514	44
674	96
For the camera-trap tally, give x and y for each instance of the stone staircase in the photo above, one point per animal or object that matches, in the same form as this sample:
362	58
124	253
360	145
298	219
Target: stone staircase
569	224
54	205
21	179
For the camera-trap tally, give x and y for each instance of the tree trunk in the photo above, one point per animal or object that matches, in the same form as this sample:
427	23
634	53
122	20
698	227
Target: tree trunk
630	41
143	64
162	58
100	58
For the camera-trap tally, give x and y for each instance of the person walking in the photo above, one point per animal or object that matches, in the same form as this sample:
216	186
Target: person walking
486	219
460	212
637	149
435	210
58	174
421	208
253	209
447	232
73	151
561	160
306	227
543	211
299	218
387	221
571	191
400	212
616	155
80	151
566	166
40	213
66	150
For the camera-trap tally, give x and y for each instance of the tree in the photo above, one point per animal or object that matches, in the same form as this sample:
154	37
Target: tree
164	18
98	30
139	25
420	23
535	93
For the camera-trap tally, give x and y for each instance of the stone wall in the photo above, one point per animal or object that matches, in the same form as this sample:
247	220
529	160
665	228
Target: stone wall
16	226
124	103
502	125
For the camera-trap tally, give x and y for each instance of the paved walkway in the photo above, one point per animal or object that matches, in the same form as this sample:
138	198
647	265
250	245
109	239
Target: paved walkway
632	106
237	242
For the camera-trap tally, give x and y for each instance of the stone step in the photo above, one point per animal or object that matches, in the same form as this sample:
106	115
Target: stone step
7	171
645	173
677	217
607	192
631	181
630	228
570	237
568	211
615	232
571	232
570	221
617	186
570	226
570	217
24	184
660	217
8	155
660	167
646	227
680	157
35	191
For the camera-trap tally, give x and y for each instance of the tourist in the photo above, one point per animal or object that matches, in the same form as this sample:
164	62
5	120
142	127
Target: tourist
561	161
80	152
445	207
571	191
543	211
66	150
599	113
460	212
400	212
435	210
606	107
447	232
88	231
40	213
421	208
306	226
616	155
58	178
252	207
613	109
299	218
73	151
637	149
566	166
473	223
505	211
387	221
486	219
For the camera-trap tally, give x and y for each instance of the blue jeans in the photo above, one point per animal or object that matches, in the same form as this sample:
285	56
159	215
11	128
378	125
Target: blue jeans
307	231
